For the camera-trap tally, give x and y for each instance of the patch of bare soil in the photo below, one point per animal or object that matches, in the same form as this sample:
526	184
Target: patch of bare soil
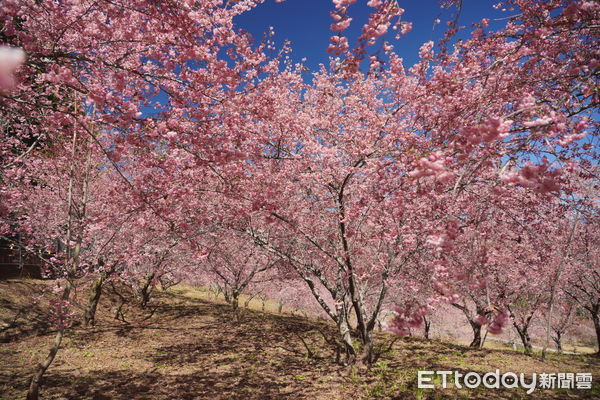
190	348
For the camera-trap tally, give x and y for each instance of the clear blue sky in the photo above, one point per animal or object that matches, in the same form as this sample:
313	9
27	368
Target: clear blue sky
306	24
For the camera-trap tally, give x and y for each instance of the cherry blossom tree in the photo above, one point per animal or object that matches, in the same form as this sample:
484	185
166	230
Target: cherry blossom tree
563	319
121	59
69	188
151	122
358	157
583	284
235	263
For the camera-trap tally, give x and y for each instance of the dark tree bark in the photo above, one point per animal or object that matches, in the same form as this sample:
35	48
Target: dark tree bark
476	342
475	326
522	327
596	318
557	338
426	327
525	338
235	301
146	290
89	318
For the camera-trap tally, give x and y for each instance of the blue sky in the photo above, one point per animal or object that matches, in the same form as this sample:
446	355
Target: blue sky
306	24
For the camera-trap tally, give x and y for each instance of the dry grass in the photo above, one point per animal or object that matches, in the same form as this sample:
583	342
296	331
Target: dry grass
192	348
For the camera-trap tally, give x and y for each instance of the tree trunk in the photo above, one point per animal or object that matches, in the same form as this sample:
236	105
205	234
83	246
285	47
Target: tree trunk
476	327
145	291
89	317
476	343
346	337
119	315
90	312
426	327
483	340
596	318
145	298
365	329
36	380
367	354
234	300
558	341
525	339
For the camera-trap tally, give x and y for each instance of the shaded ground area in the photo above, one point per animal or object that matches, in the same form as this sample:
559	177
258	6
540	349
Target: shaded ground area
190	348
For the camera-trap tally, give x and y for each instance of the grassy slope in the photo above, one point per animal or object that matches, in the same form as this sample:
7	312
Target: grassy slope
191	348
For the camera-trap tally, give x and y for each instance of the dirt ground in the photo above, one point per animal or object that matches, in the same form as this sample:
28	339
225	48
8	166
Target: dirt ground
186	347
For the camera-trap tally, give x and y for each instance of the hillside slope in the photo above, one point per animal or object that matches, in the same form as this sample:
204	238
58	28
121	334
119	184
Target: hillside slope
189	348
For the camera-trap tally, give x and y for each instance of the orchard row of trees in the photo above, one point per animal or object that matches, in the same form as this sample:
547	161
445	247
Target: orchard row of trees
155	142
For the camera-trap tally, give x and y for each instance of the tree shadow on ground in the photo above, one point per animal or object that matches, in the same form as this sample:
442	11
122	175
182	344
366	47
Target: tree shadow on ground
194	349
233	384
22	315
